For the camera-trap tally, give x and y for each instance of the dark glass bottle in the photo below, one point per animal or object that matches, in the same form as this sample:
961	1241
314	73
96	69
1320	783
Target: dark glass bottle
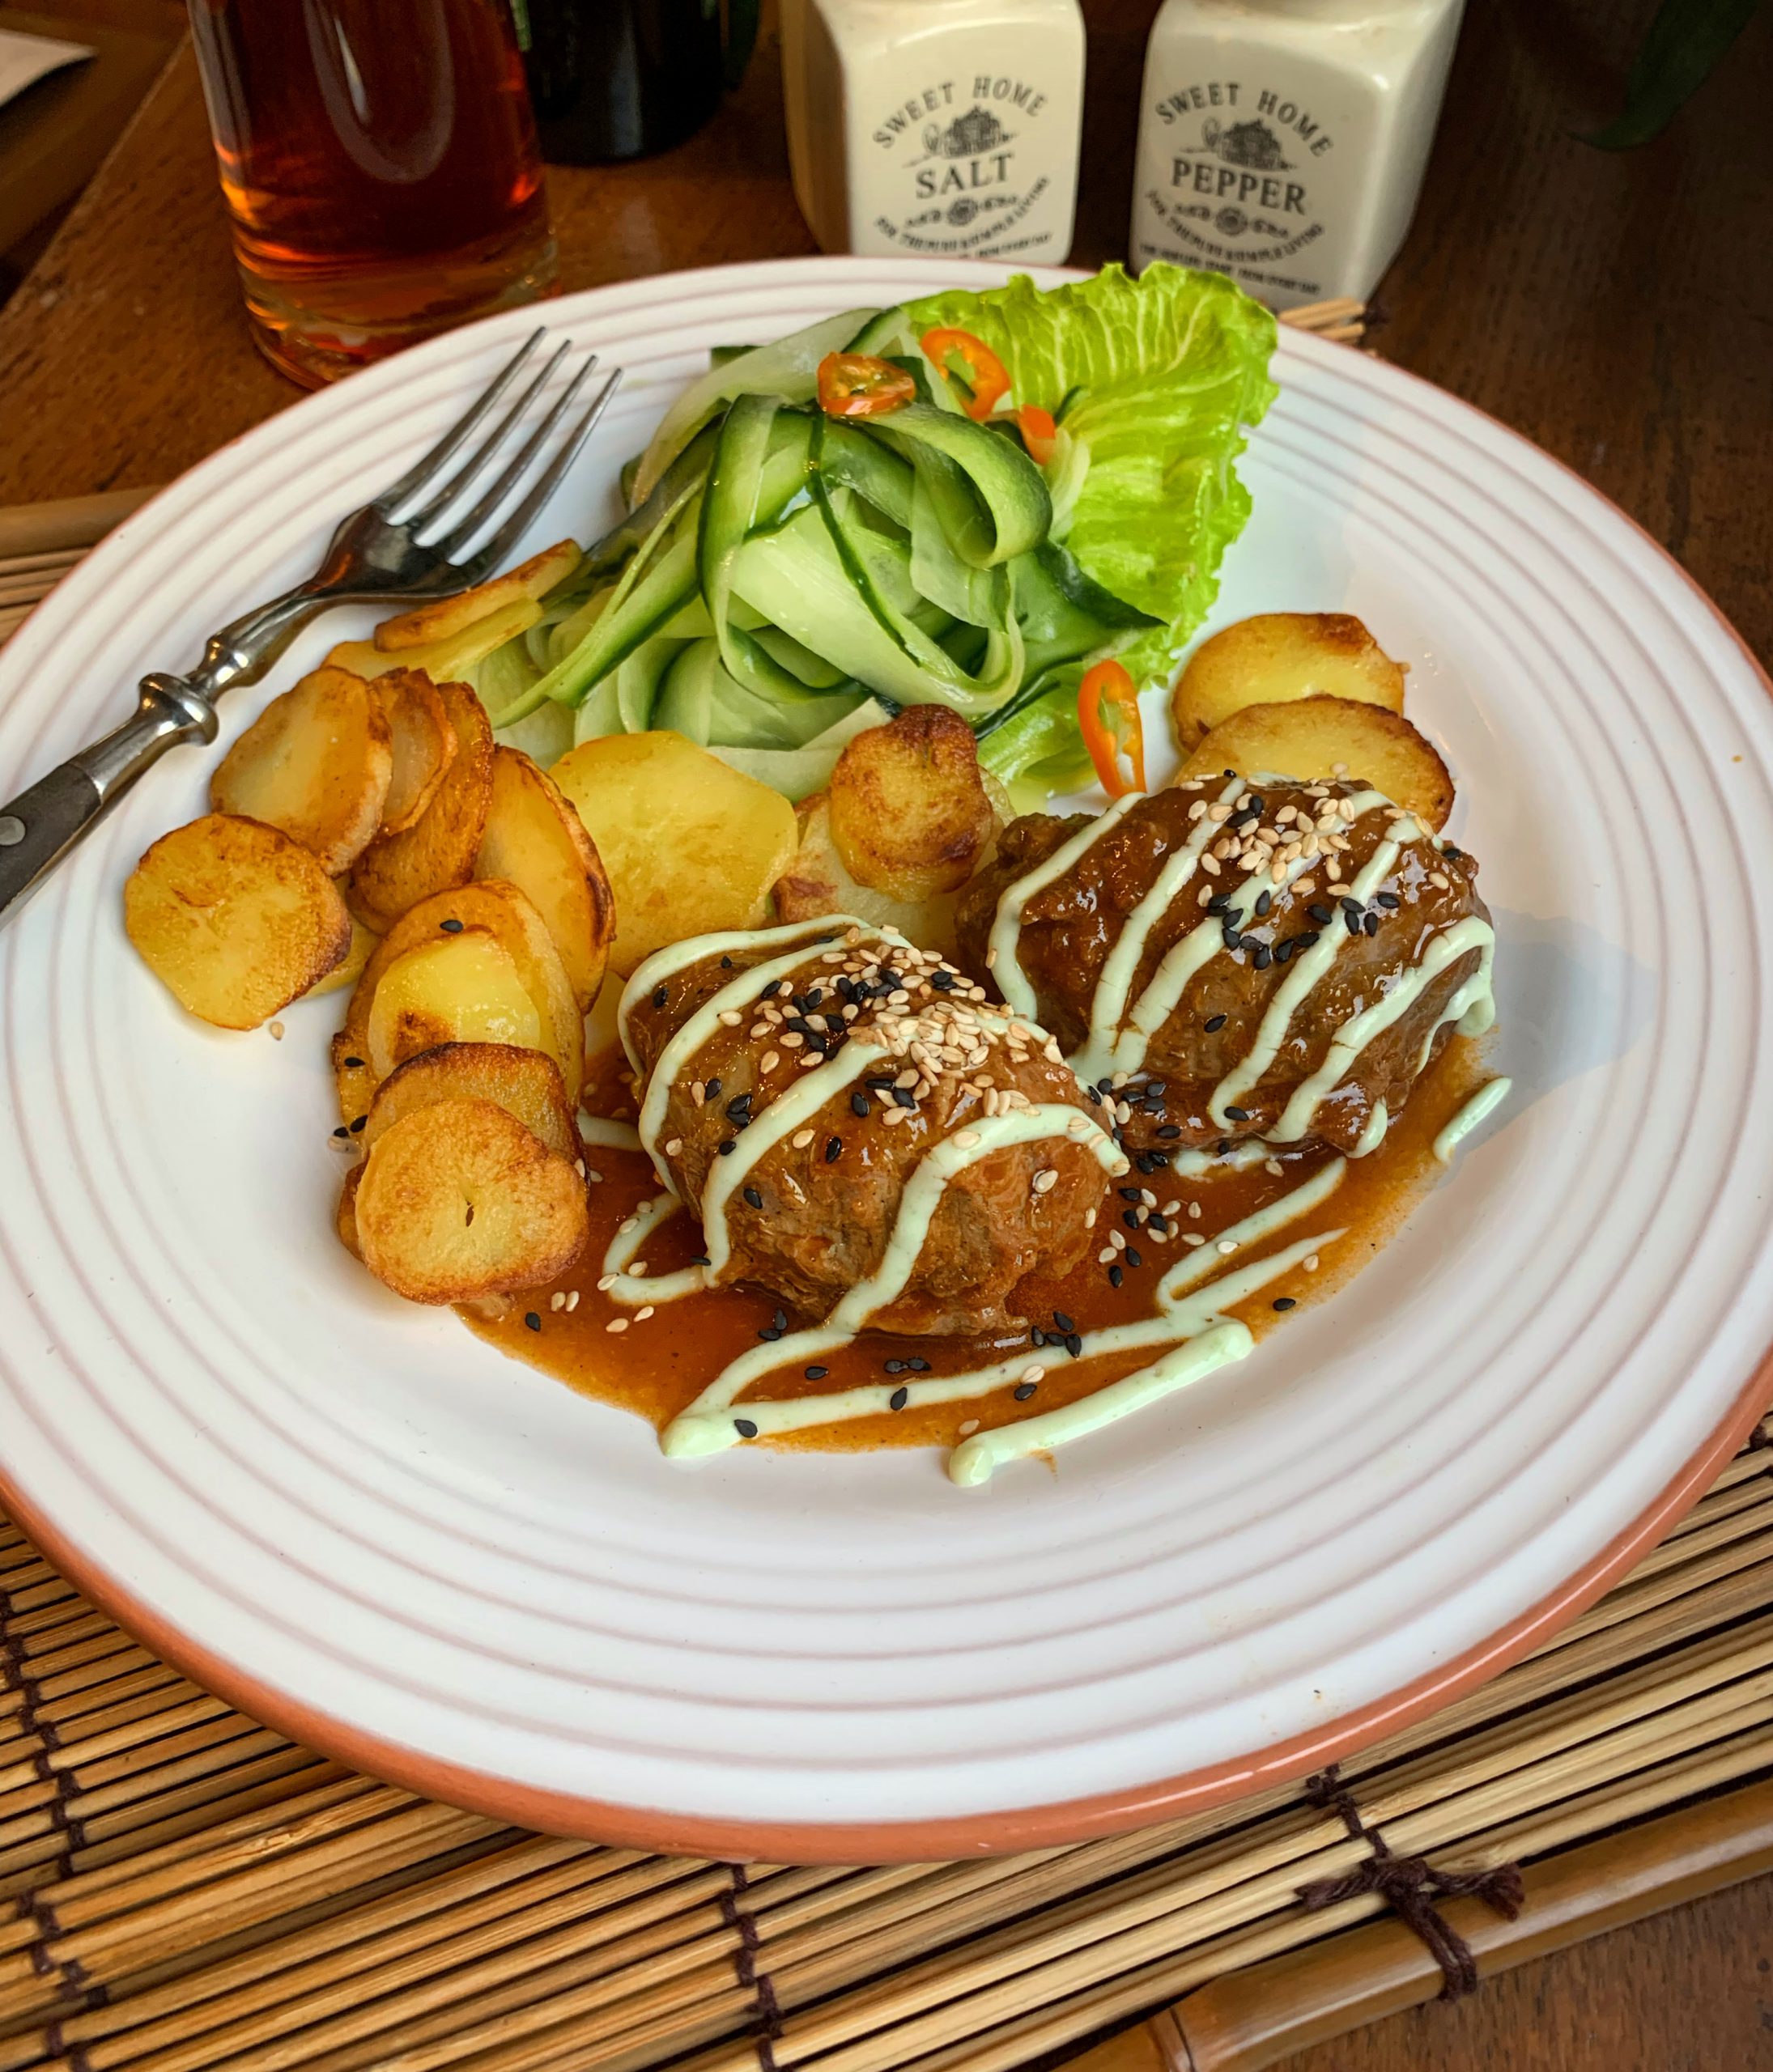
619	78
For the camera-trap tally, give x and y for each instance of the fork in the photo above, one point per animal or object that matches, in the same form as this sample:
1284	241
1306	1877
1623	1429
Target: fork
413	540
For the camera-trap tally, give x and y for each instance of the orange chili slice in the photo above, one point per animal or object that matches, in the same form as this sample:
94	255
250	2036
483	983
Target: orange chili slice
1108	714
858	385
971	364
1039	434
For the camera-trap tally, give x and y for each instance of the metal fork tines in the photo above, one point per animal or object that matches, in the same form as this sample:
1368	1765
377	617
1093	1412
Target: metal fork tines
446	523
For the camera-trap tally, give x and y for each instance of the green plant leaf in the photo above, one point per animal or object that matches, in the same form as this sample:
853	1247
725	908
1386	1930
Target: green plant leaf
1680	50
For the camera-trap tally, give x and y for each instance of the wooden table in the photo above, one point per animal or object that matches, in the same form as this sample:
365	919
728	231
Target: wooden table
1618	310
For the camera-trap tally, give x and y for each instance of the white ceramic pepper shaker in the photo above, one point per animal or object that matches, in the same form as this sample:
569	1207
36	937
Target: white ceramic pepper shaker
1283	142
946	128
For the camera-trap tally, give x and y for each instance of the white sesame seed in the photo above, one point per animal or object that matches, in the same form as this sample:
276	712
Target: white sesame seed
643	1313
801	1139
627	1223
769	1061
1271	1165
793	1040
1045	1181
1088	1219
966	1138
1210	864
1228	1244
1193	1237
616	1324
1194	1210
593	1176
572	1302
1105	1257
638	1270
606	1282
1033	1373
968	1427
731	1017
1170	1208
673	1147
277	1031
1117	1238
1311	1264
557	1300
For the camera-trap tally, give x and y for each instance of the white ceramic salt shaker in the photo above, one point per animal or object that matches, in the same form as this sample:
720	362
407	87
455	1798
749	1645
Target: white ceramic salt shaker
1283	142
947	129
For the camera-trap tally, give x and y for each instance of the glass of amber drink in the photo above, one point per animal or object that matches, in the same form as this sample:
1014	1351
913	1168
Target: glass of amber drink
379	163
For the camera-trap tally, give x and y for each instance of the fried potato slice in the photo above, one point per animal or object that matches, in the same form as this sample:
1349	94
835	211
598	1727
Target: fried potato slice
422	740
353	1075
444	661
1314	737
446	617
458	1200
345	1216
437	852
350	968
536	840
908	812
315	764
1277	656
816	882
460	989
526	1084
234	918
689	844
499	910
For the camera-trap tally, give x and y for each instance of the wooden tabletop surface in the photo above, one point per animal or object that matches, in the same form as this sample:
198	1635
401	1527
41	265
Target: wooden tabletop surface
1617	309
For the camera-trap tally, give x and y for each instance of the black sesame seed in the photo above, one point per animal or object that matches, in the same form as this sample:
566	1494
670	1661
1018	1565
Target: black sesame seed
1074	1345
1238	1114
1449	850
895	1366
904	1097
1063	1321
1130	1218
1230	936
1116	1276
1104	1086
834	1149
754	1197
1037	1336
727	1146
1224	1145
342	1130
1158	1086
1306	941
1263	957
1214	1024
1147	1161
454	928
1093	1094
1283	951
1159	1225
711	1090
858	1105
358	1125
1218	903
1258	804
660	994
1371	924
532	1320
726	963
899	1399
772	989
354	1065
1264	900
745	1428
817	1373
1353	922
1386	899
1321	913
1128	1194
943	981
701	1258
738	1109
1171	1129
1284	1302
880	1081
1023	1389
918	1366
768	1333
1349	904
1133	1256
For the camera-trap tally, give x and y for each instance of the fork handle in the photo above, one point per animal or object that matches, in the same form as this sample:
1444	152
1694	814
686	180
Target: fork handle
39	827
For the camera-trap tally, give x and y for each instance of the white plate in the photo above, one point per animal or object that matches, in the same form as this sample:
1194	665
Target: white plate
367	1527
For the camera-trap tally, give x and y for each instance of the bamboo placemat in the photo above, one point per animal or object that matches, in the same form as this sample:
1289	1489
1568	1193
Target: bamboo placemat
187	1889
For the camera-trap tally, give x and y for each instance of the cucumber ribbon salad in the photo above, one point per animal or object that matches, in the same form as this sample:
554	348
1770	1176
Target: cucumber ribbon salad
1012	502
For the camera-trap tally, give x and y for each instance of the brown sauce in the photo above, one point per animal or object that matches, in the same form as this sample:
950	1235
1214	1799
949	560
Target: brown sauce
657	1366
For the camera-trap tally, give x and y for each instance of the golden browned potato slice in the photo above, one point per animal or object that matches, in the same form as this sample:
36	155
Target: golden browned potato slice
816	882
234	918
424	742
1277	656
525	1083
1315	738
315	764
350	968
458	1200
459	989
535	839
908	812
445	618
437	852
689	844
499	910
352	1074
345	1220
444	661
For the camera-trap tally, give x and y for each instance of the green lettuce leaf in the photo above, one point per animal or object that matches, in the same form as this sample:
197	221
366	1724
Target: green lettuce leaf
1038	749
1164	374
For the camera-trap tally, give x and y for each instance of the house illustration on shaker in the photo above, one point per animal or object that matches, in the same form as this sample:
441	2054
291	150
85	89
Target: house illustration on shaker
968	136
